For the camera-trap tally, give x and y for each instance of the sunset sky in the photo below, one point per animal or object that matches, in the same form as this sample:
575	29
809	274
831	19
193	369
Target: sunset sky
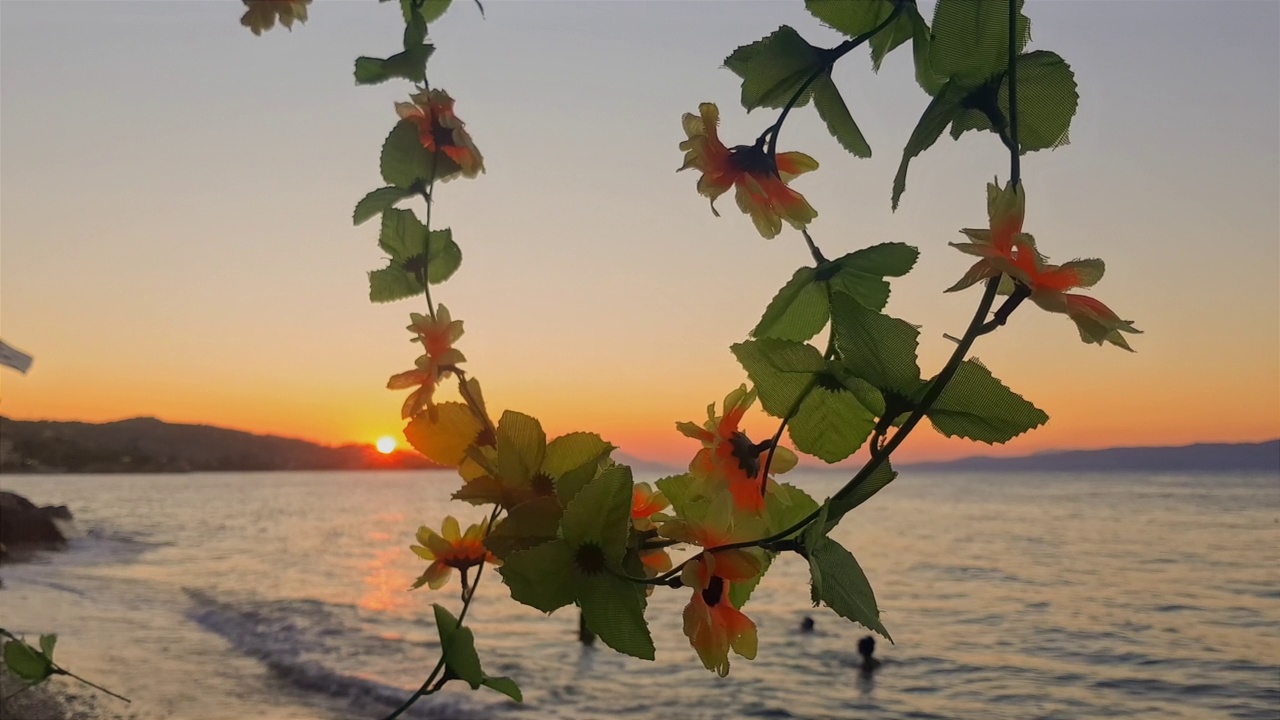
175	202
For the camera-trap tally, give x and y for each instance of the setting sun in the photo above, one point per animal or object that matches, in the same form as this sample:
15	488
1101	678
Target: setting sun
385	444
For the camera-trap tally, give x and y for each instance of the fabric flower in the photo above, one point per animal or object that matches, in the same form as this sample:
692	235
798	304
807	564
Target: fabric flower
644	503
262	15
711	622
441	131
728	455
450	549
438	336
1006	250
761	182
424	377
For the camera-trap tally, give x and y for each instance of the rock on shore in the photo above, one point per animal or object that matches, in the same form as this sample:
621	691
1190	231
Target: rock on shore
24	524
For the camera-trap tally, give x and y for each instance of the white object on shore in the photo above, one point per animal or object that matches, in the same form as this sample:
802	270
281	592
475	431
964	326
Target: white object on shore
16	359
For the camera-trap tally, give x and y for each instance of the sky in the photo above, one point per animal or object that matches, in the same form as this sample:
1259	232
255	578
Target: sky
175	202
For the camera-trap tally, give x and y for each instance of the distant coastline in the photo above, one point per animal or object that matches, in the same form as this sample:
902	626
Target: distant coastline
1200	457
148	445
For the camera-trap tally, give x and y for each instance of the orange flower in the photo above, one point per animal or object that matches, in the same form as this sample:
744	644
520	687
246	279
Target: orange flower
261	15
449	550
761	182
441	131
711	622
438	336
728	455
1006	250
644	503
424	376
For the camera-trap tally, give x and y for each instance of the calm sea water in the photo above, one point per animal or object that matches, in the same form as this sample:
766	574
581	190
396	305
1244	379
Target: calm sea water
282	597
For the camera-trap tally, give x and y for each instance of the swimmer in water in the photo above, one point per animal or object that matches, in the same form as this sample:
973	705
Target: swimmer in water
806	625
866	648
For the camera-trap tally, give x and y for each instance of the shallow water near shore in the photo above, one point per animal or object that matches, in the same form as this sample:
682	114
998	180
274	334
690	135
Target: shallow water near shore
282	596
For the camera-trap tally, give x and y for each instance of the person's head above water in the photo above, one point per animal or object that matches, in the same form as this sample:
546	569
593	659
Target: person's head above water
866	646
807	624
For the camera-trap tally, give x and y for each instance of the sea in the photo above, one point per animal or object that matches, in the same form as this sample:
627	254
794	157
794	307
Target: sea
284	596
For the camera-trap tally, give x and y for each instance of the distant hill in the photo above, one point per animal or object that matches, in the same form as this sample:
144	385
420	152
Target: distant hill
1205	457
143	445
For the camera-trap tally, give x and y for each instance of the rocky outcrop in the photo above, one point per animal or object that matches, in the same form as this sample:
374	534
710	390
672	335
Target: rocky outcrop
23	523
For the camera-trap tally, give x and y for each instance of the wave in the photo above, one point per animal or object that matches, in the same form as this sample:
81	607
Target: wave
297	639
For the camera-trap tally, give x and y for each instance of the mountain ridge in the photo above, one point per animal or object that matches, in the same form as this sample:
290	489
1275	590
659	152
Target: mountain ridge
1195	457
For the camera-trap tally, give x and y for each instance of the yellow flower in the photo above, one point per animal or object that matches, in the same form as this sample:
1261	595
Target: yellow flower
450	549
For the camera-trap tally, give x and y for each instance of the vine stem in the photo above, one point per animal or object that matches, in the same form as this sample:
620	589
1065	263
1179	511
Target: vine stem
1015	151
427	195
832	56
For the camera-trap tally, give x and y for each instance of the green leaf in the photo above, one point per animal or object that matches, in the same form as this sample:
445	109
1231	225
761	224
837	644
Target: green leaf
408	65
504	685
843	586
377	201
46	645
876	347
861	274
798	311
937	116
851	18
601	513
835	113
684	494
614	611
573	450
404	161
26	662
872	484
977	406
542	577
528	525
921	45
521	447
391	284
902	29
786	505
740	590
445	438
1047	100
429	10
774	68
971	39
832	423
459	647
781	370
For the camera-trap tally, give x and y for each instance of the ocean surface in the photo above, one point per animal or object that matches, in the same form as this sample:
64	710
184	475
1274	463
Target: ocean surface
282	596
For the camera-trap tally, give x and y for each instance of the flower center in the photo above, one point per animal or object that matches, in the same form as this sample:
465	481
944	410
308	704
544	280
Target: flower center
442	136
753	160
747	454
543	484
589	558
714	592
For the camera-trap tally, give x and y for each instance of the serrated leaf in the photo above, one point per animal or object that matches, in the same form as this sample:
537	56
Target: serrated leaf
26	662
614	610
445	439
390	284
971	39
684	494
377	201
861	274
872	484
876	347
831	424
781	370
46	644
527	525
798	311
504	685
601	513
851	18
935	119
404	161
902	29
415	255
428	10
573	450
459	647
541	577
835	113
786	505
844	587
521	446
1047	100
921	45
411	64
740	590
774	68
977	406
